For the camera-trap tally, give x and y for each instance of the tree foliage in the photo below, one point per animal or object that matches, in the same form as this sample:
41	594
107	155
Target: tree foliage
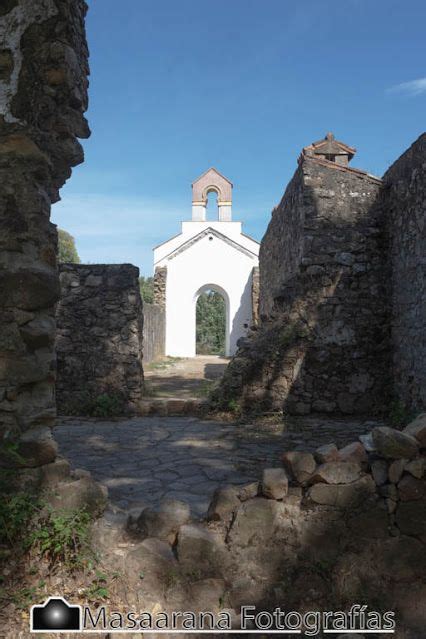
211	324
67	251
146	285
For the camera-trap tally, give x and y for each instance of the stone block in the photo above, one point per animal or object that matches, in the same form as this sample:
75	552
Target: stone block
224	503
394	444
163	520
336	473
327	453
274	483
299	464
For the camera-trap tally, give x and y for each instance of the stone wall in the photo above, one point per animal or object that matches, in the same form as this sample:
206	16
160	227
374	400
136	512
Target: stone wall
154	332
255	294
160	283
43	95
405	201
323	342
99	338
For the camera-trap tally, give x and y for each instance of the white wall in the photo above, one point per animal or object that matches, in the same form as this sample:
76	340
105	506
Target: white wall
206	263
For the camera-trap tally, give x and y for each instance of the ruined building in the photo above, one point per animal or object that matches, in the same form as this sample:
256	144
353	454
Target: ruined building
342	293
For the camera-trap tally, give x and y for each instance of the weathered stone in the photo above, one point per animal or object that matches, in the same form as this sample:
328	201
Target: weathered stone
199	549
395	470
57	471
207	594
274	483
343	495
417	467
353	452
300	465
410	488
393	444
82	494
37	447
224	503
379	470
327	453
104	317
256	519
367	442
417	428
163	520
248	491
336	473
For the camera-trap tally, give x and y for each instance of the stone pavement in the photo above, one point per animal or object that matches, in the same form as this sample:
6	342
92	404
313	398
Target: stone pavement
144	459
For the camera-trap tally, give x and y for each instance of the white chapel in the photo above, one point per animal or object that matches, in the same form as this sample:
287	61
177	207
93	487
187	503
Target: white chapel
207	255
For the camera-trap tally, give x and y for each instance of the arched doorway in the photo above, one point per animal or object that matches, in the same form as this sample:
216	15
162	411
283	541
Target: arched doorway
211	321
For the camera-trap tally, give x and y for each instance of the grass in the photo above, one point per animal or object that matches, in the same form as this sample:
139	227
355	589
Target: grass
163	364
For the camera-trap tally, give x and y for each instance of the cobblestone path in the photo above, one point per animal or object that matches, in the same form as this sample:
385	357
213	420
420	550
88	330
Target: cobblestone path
142	460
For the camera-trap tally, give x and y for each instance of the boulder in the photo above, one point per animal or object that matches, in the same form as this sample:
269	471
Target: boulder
336	473
417	429
353	452
207	594
417	467
368	443
57	471
327	453
410	488
395	470
200	550
394	444
37	448
379	470
256	520
300	465
343	495
248	491
163	520
274	483
82	494
224	503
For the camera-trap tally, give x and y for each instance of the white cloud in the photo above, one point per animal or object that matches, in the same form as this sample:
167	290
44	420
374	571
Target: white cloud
412	88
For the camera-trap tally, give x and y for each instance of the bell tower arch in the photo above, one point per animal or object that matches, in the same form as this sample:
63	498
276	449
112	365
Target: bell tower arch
208	182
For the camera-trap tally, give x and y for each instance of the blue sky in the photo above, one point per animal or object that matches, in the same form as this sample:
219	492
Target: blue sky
178	86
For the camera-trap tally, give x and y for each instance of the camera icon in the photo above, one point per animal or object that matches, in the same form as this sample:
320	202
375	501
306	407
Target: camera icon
55	614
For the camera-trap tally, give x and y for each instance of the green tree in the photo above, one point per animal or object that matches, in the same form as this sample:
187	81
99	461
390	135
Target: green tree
67	251
211	324
146	285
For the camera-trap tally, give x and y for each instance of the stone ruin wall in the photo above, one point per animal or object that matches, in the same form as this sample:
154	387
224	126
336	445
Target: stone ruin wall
43	95
99	337
405	202
323	342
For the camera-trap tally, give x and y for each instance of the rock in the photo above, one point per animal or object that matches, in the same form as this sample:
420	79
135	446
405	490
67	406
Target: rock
198	549
410	488
327	453
395	470
371	523
37	447
411	517
367	442
389	491
224	503
256	520
394	444
82	494
300	465
248	491
336	473
417	429
353	452
274	483
55	472
416	467
163	520
343	495
207	594
379	470
147	567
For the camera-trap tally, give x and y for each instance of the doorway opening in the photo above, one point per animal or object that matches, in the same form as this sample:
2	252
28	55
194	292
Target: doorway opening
211	323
